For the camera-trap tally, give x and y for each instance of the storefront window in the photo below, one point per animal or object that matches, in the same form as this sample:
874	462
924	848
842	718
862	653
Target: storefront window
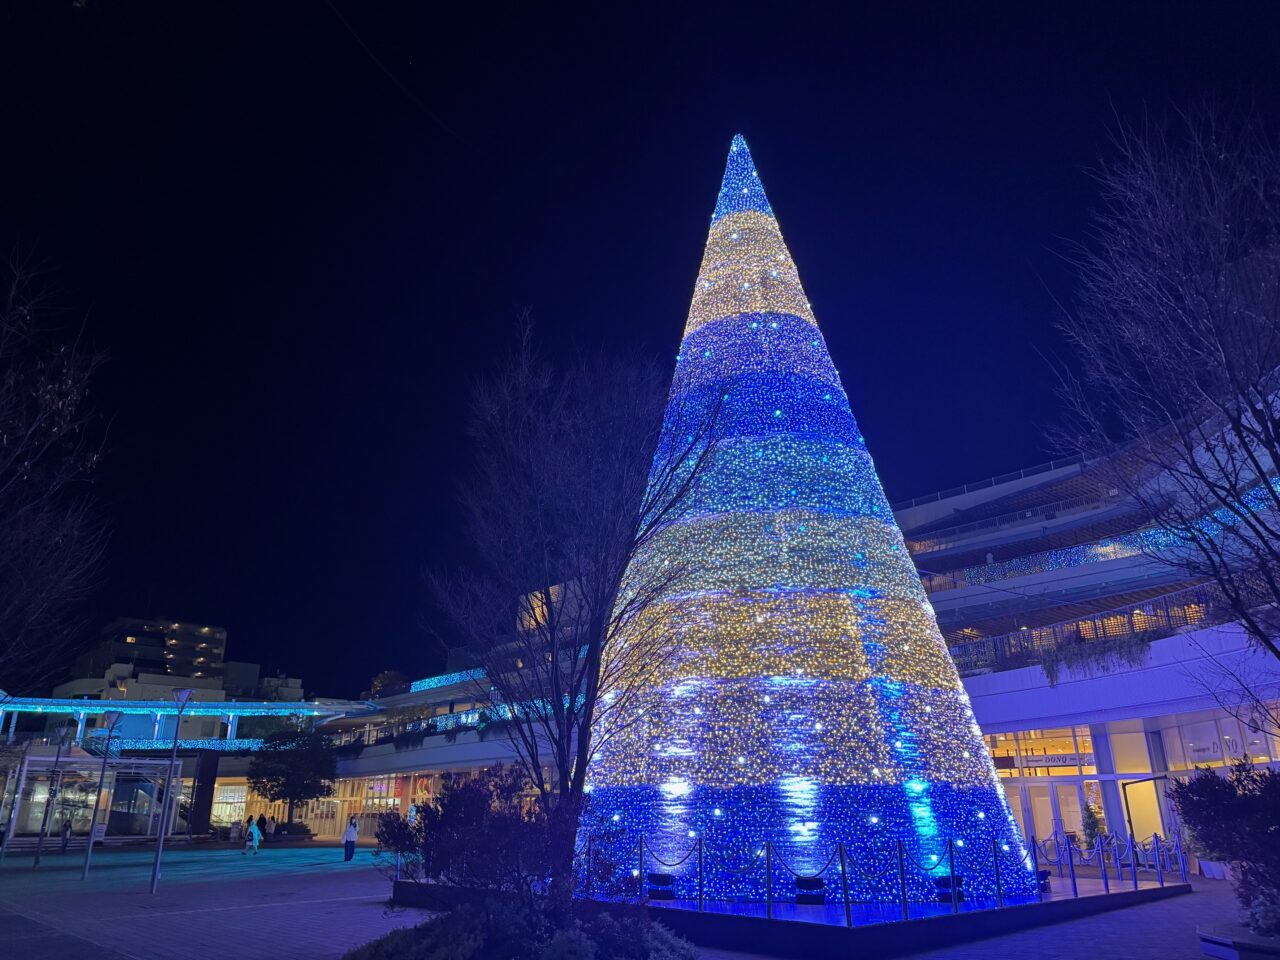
1093	800
1004	753
1084	749
228	803
1048	753
1129	747
1202	744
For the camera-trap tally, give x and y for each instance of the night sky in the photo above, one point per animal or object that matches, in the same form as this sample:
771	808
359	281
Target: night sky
299	264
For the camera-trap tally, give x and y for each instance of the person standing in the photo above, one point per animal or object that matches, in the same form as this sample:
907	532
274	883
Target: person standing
349	839
271	828
262	825
66	833
252	837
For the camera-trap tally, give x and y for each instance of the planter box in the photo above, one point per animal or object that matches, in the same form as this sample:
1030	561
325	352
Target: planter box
428	896
1230	945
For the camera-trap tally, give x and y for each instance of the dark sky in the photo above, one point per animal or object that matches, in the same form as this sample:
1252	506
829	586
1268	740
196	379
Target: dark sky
298	264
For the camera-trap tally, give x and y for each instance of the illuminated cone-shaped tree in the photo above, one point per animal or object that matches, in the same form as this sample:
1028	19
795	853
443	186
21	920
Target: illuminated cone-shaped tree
810	699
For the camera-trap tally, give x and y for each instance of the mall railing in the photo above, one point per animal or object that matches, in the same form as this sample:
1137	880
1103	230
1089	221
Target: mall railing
946	536
1194	607
989	482
979	876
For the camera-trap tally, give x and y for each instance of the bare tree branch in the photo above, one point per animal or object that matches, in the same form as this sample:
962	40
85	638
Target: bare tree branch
576	471
53	541
1177	329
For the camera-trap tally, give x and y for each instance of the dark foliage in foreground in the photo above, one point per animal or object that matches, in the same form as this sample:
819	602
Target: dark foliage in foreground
1236	818
499	930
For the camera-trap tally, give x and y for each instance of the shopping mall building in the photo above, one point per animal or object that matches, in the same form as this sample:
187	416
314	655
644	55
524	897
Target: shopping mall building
1096	673
1093	669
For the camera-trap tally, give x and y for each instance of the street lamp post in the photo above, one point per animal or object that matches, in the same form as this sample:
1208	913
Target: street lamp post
64	733
181	698
110	719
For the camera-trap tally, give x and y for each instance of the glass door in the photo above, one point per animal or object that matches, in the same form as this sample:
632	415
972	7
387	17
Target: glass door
1041	810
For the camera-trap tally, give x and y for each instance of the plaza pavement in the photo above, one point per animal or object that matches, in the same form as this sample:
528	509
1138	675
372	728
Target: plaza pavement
302	903
306	903
1164	930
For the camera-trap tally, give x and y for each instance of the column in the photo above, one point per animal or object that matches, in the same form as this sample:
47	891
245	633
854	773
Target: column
80	718
13	724
232	722
1112	804
1159	766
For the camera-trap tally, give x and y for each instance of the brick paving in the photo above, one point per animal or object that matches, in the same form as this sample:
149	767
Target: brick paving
302	903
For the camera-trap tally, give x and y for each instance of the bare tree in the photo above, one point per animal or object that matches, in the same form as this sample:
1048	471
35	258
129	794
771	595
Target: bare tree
1177	329
53	541
575	472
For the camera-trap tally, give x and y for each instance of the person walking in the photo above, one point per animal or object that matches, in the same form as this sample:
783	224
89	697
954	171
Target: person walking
262	824
271	828
252	837
349	839
66	834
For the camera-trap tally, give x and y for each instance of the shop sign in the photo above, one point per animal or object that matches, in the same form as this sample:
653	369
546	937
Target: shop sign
1059	760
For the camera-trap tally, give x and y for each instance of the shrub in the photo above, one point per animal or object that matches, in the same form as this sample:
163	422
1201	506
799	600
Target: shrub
399	841
409	739
1236	818
500	930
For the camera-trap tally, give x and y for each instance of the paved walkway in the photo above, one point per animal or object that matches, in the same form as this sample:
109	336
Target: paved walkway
1164	930
283	904
306	904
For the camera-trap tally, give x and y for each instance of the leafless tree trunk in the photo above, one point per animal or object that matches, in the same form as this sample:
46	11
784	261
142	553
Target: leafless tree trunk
1177	327
52	541
566	490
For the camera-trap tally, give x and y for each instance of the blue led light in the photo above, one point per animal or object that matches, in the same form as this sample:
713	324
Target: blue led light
445	680
810	699
234	745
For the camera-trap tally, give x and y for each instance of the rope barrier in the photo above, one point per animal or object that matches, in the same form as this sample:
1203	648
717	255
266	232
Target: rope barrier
938	861
1022	859
649	850
890	866
1044	847
750	863
800	876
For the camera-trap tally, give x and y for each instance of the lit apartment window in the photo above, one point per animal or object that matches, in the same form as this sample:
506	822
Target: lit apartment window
130	639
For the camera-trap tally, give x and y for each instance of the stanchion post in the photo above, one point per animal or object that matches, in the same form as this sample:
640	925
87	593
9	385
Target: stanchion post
699	874
640	874
1035	867
1102	862
1071	867
1182	857
1133	860
1057	849
844	887
995	858
951	868
1155	847
902	881
768	879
